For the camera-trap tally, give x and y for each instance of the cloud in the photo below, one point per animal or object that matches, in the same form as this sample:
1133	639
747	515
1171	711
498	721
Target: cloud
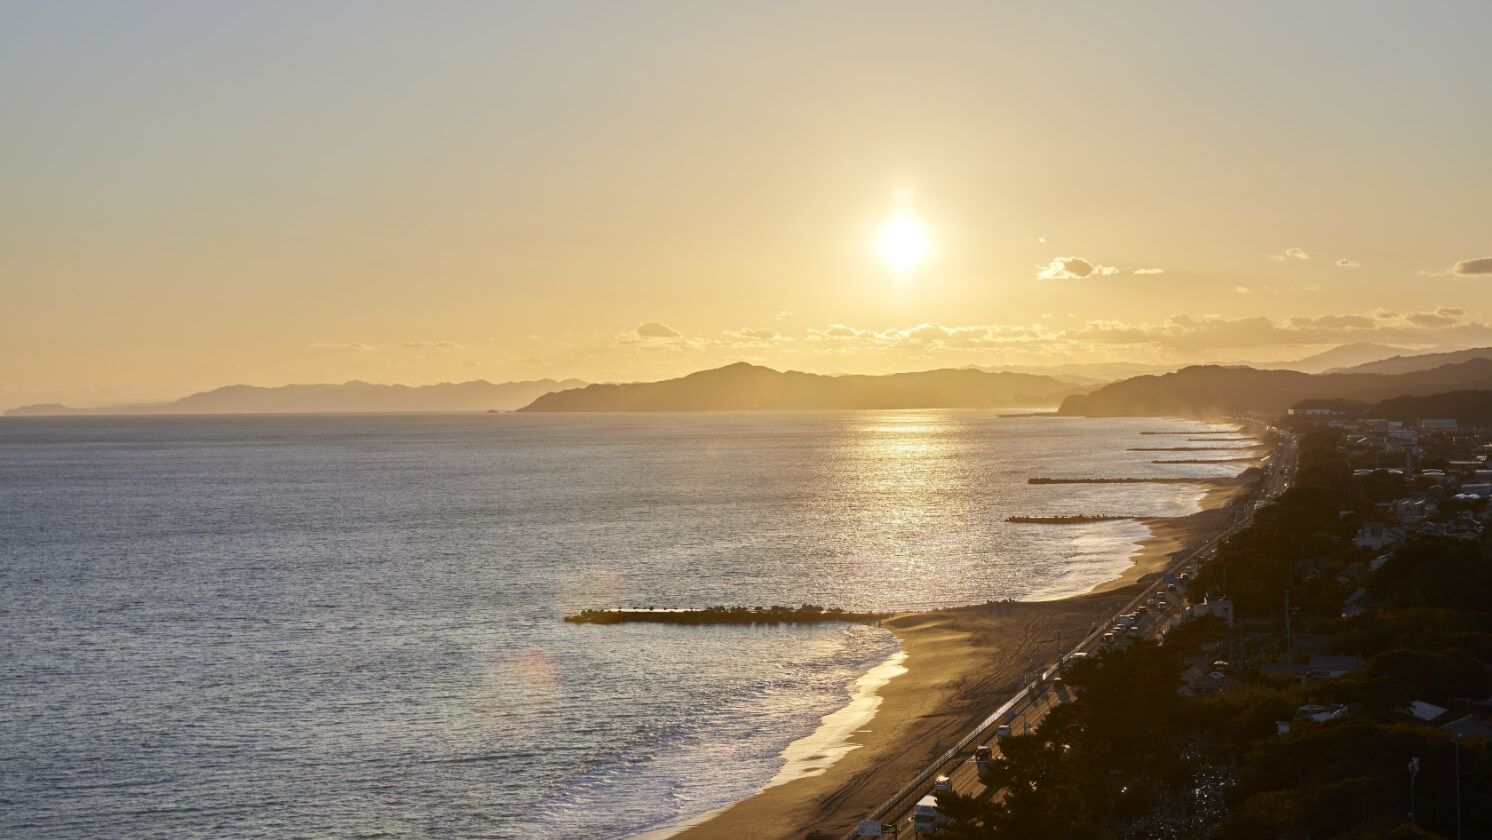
527	360
1212	334
1071	268
1473	268
838	331
928	336
754	338
784	315
1177	339
1428	319
1333	322
361	348
1289	254
655	330
1243	290
1346	263
431	345
1150	271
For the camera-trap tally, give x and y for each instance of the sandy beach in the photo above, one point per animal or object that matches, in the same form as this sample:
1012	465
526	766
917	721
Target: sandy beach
959	665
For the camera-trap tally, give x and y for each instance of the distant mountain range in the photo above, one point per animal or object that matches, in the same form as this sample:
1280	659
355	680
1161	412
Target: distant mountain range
1345	356
1082	373
1211	390
746	387
1340	359
1377	374
348	397
1423	361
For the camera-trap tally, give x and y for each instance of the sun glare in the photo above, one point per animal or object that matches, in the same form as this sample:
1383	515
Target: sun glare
903	243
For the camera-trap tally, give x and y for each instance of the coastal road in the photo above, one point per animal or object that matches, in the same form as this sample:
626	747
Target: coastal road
1038	698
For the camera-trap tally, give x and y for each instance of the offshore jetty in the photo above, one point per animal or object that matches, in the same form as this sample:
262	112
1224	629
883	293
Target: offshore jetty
1184	448
1204	461
1040	480
1066	520
806	614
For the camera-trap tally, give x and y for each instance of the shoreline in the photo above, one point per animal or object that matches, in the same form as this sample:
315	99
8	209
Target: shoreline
955	663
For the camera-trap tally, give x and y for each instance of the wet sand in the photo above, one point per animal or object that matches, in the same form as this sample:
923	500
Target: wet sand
959	665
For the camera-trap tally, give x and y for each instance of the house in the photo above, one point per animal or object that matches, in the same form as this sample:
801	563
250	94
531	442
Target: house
1420	710
1222	609
1359	602
1376	535
1312	712
1409	511
1469	727
1285	672
1315	712
1464	527
1328	667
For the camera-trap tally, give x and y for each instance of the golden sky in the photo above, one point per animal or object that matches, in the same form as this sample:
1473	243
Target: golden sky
200	194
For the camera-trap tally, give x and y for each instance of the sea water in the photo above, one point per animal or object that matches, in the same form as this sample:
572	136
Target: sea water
350	626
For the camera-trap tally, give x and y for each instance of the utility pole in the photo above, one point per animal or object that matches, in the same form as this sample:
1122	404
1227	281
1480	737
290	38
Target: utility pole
1289	644
1413	771
1458	786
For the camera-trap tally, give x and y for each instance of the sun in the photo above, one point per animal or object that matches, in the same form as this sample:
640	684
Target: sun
903	243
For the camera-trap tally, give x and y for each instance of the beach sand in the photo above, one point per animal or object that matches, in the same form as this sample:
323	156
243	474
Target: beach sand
960	664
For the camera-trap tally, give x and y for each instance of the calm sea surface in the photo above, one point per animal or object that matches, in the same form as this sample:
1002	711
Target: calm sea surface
350	626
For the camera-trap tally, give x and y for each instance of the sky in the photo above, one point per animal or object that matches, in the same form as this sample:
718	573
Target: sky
202	194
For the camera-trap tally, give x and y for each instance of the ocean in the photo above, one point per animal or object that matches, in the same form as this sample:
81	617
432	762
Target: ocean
350	626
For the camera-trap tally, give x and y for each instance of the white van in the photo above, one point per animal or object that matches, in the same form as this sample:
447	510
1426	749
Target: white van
927	816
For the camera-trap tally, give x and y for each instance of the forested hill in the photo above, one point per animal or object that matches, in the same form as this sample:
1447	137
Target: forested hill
1468	408
746	387
1210	390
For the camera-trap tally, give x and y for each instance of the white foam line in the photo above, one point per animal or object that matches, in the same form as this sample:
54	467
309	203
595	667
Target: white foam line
813	754
816	752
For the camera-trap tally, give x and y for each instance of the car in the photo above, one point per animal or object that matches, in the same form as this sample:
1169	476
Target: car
983	753
1162	603
1217	675
1220	665
1150	603
1171	587
942	783
1141	610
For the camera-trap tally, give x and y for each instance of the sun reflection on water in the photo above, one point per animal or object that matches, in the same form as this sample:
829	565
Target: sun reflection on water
906	484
